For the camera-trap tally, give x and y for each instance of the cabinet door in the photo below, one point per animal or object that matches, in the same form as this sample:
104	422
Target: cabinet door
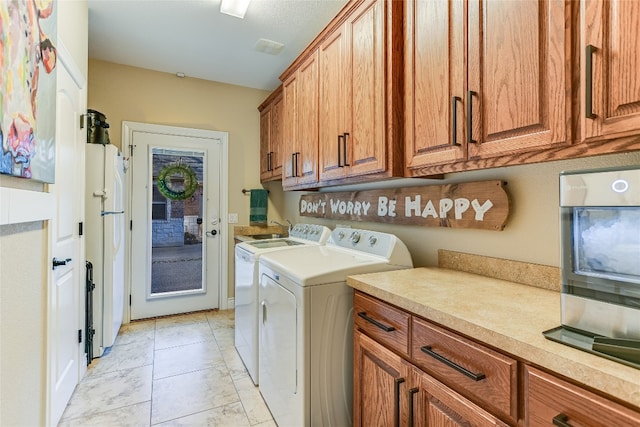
265	144
518	92
334	100
434	404
307	122
276	133
366	89
290	130
435	74
380	381
610	47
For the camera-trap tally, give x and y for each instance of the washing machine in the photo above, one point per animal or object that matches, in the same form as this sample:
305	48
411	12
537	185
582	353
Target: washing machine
306	324
247	255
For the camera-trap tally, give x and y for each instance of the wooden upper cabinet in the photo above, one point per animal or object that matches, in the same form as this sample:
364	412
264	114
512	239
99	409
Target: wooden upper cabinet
435	82
300	148
271	136
609	68
358	97
519	71
484	79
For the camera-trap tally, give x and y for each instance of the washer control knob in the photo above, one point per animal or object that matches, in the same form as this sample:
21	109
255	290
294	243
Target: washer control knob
355	237
373	240
341	235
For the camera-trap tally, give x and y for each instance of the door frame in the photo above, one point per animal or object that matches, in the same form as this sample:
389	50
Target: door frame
128	129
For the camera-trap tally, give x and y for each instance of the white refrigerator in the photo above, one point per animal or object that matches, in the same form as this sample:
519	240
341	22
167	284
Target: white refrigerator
105	240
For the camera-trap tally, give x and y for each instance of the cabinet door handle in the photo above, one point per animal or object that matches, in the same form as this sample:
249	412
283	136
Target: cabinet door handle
396	398
470	95
293	166
560	420
345	149
412	391
588	71
454	121
474	376
385	328
297	155
339	147
269	160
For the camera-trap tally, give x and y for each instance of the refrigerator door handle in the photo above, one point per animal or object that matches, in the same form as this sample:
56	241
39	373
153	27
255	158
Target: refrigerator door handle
104	213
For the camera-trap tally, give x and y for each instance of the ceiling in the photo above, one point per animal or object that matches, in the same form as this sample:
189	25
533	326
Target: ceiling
194	38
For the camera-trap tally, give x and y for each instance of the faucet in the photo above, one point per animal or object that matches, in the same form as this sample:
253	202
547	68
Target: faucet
282	225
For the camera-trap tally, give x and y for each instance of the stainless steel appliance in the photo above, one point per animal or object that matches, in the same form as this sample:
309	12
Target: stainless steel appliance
600	234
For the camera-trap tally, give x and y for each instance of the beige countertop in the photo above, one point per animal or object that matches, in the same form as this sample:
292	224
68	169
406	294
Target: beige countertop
505	315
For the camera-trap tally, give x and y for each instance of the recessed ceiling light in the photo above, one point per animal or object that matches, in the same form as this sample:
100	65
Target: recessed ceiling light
269	46
235	8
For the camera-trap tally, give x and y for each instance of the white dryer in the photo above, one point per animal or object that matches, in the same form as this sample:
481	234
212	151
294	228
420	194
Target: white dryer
247	255
306	324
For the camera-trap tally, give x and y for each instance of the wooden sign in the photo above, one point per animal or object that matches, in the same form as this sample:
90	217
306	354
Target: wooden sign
483	205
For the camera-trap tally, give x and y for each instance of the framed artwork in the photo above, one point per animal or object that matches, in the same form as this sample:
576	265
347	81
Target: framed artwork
28	31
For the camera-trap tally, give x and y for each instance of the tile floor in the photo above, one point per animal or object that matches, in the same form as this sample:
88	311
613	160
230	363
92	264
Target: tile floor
174	371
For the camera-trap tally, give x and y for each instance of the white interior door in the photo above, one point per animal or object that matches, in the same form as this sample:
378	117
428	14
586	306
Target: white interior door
66	358
178	261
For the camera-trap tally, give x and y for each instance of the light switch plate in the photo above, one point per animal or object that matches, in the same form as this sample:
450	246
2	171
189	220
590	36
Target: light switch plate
233	218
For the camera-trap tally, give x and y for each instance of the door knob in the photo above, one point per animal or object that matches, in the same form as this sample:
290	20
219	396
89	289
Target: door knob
58	262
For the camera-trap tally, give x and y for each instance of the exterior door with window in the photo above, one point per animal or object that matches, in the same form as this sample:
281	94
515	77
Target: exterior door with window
176	210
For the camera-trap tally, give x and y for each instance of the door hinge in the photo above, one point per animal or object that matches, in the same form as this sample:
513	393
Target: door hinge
129	299
130	224
82	120
80	229
79	336
131	147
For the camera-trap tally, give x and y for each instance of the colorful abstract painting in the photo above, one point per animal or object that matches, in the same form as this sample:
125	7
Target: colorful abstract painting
28	30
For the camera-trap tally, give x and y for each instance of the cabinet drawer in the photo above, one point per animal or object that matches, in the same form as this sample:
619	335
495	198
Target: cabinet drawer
384	323
552	401
482	375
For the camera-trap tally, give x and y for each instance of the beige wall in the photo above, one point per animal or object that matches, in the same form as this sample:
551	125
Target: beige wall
24	266
532	229
125	93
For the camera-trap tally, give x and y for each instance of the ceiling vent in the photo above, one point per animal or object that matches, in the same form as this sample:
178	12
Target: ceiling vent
268	46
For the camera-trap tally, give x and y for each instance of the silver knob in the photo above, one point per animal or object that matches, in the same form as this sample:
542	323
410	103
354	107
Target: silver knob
341	235
355	237
372	240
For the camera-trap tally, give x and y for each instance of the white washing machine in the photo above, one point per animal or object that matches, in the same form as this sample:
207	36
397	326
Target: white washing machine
306	324
247	255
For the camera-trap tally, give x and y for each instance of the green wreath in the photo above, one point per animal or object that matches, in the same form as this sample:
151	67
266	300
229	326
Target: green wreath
190	182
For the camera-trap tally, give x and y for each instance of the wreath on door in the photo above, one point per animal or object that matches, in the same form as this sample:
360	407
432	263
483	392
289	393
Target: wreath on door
164	183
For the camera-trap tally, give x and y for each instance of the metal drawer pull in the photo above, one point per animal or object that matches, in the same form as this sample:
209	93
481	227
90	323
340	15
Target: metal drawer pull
560	420
412	391
396	409
339	147
476	377
385	328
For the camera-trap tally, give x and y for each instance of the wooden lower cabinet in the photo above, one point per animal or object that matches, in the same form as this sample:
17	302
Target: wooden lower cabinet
396	387
389	391
380	379
551	401
431	404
